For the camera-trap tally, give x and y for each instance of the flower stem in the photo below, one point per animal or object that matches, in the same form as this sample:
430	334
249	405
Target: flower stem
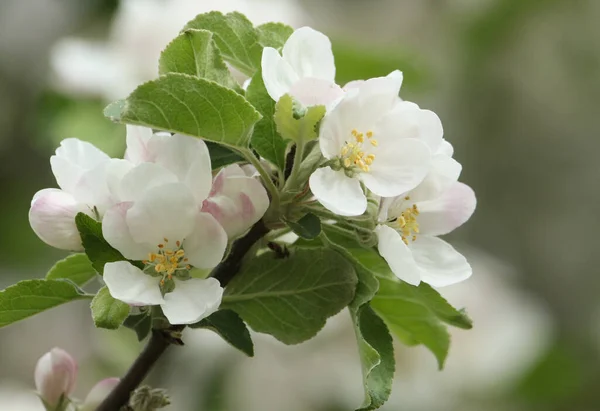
291	182
266	177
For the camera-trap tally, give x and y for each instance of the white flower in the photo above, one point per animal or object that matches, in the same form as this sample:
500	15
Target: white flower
305	70
374	138
55	376
236	200
98	393
411	223
84	174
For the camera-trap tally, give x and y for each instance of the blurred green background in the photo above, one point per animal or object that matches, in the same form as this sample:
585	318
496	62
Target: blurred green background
517	86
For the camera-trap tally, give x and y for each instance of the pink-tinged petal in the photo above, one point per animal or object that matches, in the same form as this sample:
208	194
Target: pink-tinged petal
337	192
309	53
55	375
206	244
141	178
72	159
52	218
398	255
399	166
192	300
165	211
278	76
137	139
116	232
441	264
129	284
98	393
447	212
313	91
237	201
444	172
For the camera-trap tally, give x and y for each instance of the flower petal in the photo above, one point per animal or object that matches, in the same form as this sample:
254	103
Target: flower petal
129	284
337	192
206	244
98	393
192	300
52	218
137	139
309	53
443	174
447	212
312	91
164	211
72	159
442	265
96	186
398	255
236	201
141	178
55	375
399	166
277	74
116	233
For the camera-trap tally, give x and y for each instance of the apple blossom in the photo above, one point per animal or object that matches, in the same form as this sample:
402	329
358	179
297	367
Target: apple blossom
372	137
55	375
305	69
412	221
98	393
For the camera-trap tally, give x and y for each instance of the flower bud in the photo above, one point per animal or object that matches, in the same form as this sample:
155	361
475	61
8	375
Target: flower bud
55	375
98	393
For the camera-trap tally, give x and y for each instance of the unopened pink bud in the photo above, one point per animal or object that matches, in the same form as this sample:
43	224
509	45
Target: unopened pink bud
98	393
55	375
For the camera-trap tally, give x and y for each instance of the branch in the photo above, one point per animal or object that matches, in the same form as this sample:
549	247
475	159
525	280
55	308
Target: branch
228	268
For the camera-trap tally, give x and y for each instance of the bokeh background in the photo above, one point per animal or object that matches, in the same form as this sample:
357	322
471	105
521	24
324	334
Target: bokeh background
517	86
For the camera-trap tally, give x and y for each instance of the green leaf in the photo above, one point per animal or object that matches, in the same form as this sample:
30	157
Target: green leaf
231	328
96	248
291	127
197	107
265	140
140	323
108	312
194	52
221	156
291	298
235	36
113	110
308	227
274	34
30	297
76	267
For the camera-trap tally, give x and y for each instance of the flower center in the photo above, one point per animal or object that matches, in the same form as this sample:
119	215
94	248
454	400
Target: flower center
353	152
166	261
407	223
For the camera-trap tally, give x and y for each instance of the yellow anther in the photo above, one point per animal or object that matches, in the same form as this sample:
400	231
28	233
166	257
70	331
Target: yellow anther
407	224
161	246
353	153
180	253
374	142
169	252
178	243
347	162
166	240
407	198
369	134
159	267
360	137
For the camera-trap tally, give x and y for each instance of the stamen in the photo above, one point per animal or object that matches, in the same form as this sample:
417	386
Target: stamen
408	225
353	153
178	243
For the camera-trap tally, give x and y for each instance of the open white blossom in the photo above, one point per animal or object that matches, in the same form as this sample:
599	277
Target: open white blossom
305	69
84	174
412	221
374	138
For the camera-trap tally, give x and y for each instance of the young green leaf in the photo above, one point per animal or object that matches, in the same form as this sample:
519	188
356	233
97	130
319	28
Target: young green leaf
113	110
265	140
235	36
308	227
290	127
194	52
96	248
107	312
291	298
221	156
231	328
76	267
140	323
30	297
188	105
273	34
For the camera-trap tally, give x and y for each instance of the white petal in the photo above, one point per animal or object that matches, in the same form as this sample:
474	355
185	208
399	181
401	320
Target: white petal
137	144
236	201
446	148
447	212
72	159
141	178
443	174
206	244
52	218
98	393
192	300
277	74
165	211
93	187
309	53
313	91
399	166
116	232
442	265
115	171
129	284
398	255
397	76
337	192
